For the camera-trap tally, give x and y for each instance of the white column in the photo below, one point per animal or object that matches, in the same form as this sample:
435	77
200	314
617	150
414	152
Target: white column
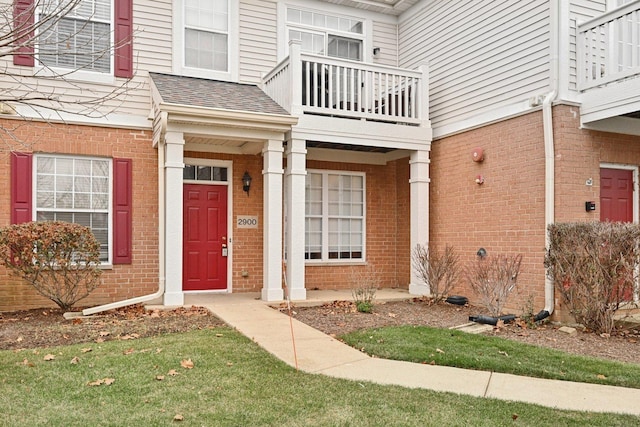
272	246
173	165
419	193
295	177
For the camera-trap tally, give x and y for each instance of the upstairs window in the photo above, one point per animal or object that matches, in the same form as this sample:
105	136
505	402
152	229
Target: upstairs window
206	34
324	34
79	40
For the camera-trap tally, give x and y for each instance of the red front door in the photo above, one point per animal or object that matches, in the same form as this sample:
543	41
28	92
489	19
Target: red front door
204	259
616	195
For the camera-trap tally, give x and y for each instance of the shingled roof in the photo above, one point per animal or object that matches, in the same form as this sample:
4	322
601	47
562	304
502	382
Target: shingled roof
206	93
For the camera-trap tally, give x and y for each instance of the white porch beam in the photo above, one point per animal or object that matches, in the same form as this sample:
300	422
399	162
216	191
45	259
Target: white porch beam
295	177
174	165
419	194
272	248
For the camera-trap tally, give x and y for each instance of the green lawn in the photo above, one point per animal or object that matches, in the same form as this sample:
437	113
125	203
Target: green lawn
232	383
422	344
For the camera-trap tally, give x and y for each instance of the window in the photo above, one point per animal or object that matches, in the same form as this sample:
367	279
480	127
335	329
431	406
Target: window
323	34
203	173
75	190
80	40
334	216
206	34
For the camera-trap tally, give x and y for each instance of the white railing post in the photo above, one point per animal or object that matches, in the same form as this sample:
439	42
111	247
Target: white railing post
422	101
295	86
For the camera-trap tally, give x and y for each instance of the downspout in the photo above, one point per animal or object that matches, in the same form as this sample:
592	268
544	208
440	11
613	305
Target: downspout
161	249
549	152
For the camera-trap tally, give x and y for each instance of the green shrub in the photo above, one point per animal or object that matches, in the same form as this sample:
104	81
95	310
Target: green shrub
59	259
593	267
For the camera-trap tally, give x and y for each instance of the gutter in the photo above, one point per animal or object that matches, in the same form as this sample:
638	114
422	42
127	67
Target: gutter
161	250
549	151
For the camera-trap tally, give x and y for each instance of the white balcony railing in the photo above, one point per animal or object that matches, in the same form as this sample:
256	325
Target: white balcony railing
609	47
313	84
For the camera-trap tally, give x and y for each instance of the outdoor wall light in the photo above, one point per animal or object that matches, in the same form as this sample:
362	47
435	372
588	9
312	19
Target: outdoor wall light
246	182
376	52
482	252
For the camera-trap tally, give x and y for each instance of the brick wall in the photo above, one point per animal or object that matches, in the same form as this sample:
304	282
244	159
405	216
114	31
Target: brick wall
122	281
505	215
385	235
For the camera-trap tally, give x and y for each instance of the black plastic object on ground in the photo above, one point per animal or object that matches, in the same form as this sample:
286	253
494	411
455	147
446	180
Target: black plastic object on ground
457	300
488	320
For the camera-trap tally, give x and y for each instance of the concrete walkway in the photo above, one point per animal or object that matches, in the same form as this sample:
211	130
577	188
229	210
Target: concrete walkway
318	353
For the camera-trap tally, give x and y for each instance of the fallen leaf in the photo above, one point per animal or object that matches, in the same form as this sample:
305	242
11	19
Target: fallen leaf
129	351
178	417
229	363
158	350
219	335
104	334
504	353
173	372
187	364
76	321
601	377
499	324
95	383
439	351
514	416
86	350
393	315
49	357
109	381
19	339
75	360
25	362
160	377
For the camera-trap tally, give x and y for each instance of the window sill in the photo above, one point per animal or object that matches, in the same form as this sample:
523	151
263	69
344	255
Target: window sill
312	263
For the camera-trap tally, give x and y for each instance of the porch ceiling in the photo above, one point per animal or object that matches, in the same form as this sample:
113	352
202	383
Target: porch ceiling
390	7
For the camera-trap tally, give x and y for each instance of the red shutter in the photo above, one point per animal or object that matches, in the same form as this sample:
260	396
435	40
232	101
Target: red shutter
21	206
123	61
23	19
122	188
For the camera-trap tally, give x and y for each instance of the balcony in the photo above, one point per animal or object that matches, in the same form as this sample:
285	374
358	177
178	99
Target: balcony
343	95
608	65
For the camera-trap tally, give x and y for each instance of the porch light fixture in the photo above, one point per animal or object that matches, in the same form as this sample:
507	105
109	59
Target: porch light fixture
376	52
246	182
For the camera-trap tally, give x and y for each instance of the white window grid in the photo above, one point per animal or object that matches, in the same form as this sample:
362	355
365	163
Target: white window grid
335	216
78	190
80	40
327	35
206	34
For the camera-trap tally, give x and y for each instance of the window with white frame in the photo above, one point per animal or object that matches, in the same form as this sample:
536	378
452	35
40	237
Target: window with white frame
75	189
206	34
334	216
80	39
325	34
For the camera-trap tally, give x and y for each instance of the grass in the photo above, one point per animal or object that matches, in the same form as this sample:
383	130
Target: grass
232	383
454	348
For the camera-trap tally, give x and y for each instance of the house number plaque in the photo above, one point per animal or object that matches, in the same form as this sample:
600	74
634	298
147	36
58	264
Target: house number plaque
247	221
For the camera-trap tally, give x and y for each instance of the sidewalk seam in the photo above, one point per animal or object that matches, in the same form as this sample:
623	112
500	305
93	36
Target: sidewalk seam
486	389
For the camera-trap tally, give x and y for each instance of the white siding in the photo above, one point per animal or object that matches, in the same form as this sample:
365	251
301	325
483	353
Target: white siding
580	11
130	103
258	39
385	36
483	55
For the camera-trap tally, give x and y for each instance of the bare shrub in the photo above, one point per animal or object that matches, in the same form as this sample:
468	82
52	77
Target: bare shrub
59	259
365	283
593	267
493	278
438	269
